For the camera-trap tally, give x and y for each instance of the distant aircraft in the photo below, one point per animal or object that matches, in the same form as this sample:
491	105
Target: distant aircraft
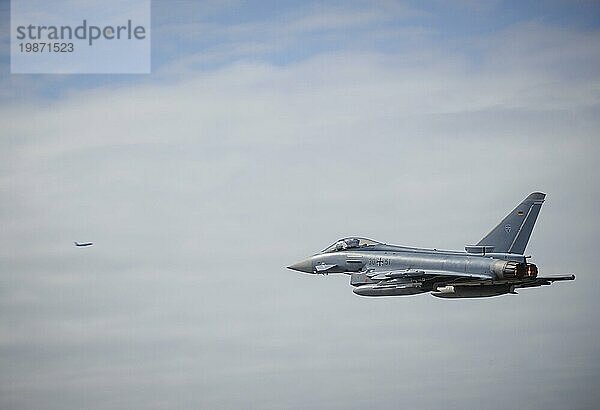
83	243
495	266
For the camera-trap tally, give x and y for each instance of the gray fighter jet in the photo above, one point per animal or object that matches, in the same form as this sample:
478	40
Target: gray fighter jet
496	265
83	244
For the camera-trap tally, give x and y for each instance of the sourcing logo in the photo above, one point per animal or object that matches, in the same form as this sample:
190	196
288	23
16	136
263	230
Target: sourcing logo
82	32
98	36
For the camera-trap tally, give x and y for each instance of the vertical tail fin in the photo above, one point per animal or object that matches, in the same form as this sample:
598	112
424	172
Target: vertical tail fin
512	233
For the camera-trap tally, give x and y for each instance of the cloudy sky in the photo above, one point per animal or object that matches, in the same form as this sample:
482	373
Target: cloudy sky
266	131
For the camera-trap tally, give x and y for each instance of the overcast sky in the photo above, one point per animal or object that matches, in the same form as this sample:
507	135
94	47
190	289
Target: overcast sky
265	132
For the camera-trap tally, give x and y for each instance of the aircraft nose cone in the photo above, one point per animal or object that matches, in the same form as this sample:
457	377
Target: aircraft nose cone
302	266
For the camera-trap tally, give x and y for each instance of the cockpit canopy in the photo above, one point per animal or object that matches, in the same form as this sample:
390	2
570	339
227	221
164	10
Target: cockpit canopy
350	243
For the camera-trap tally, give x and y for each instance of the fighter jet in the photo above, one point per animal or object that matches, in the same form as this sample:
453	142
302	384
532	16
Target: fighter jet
83	243
495	266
